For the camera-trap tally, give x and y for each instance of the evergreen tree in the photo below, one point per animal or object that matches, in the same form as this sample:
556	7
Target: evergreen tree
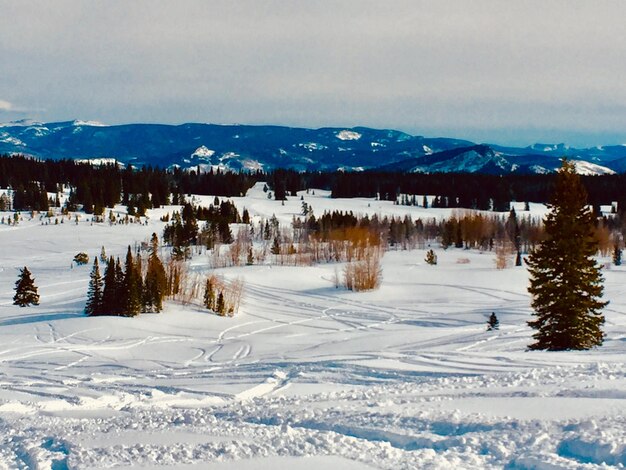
110	300
120	300
95	293
220	306
226	236
617	255
156	280
493	323
25	290
275	249
566	282
131	287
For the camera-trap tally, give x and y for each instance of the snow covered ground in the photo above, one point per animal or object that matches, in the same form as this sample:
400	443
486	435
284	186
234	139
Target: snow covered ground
306	375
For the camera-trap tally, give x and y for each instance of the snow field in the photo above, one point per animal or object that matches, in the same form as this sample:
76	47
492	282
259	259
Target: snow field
306	374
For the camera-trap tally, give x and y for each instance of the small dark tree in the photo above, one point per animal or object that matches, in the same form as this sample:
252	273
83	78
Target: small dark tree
275	249
493	323
131	285
25	290
565	280
155	286
220	306
110	300
95	293
617	255
431	257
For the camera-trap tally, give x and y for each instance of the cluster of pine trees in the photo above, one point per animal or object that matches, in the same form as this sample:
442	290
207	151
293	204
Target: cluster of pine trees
126	291
98	187
183	230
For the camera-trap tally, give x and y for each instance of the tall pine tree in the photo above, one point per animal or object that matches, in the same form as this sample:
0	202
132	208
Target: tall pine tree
95	293
110	298
131	287
155	286
25	290
565	280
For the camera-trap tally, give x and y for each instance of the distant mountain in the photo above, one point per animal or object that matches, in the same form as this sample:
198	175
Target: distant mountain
238	147
485	159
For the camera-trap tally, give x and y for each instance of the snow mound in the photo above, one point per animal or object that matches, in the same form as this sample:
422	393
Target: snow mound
202	152
78	122
6	138
348	135
100	161
587	168
311	146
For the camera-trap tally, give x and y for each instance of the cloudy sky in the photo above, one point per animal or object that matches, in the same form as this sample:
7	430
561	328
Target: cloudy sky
486	70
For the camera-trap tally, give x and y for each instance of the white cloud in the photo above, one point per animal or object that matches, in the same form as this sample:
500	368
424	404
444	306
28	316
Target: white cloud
5	106
476	70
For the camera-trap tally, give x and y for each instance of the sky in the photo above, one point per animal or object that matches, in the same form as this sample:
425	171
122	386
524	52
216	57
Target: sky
484	70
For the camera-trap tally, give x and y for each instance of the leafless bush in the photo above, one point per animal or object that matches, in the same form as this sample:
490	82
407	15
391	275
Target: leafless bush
230	292
463	261
176	272
503	255
364	274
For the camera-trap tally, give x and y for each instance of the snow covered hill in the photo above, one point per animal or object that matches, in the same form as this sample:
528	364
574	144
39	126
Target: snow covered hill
306	375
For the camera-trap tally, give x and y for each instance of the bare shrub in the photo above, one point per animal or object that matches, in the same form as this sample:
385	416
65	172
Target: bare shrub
503	255
364	274
231	293
463	261
176	274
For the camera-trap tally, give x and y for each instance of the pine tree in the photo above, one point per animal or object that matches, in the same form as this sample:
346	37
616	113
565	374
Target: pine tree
220	306
120	300
566	282
156	280
103	255
617	255
25	290
493	323
110	291
95	293
131	293
275	249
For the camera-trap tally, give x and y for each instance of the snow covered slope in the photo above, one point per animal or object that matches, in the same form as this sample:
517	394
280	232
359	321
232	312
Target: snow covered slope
237	147
306	375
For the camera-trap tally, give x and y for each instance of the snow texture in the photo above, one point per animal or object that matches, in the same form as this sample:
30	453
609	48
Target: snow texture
306	375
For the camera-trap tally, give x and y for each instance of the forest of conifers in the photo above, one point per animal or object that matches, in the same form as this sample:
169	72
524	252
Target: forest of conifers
96	187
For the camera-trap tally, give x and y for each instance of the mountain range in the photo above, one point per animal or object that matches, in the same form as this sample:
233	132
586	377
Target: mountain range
236	147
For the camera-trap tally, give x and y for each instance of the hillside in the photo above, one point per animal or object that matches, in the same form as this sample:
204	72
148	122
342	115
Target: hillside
238	147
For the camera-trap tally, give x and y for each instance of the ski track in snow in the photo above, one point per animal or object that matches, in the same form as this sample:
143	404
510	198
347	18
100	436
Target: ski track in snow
402	378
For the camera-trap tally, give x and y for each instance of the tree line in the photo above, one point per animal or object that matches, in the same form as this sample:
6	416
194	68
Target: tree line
96	187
